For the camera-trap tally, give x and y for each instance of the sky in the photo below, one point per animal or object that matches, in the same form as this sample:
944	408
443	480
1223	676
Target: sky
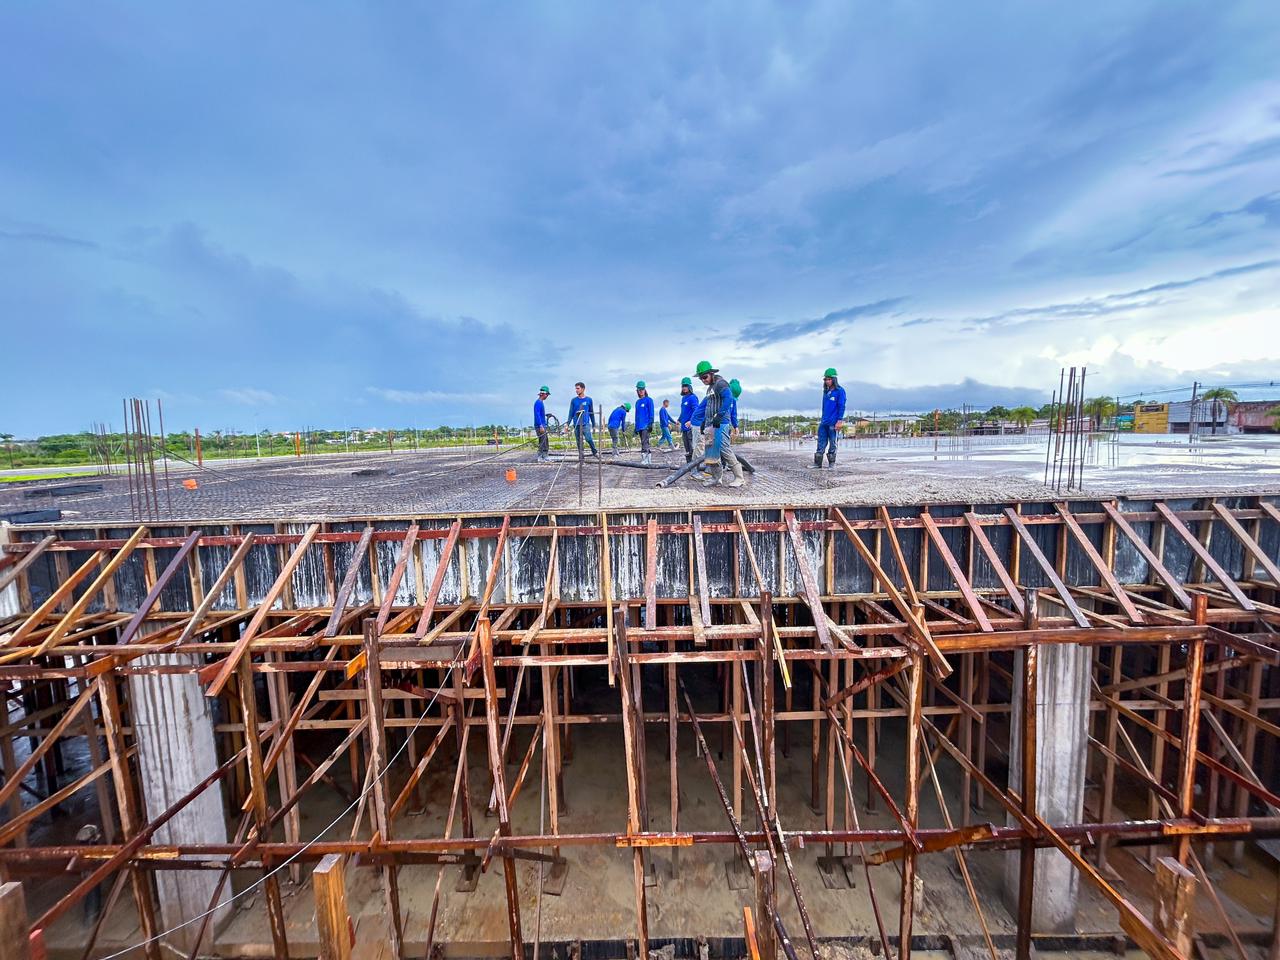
275	216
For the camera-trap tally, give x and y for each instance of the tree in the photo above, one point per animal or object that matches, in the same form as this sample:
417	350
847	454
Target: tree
1274	414
1098	409
8	442
1022	416
1226	395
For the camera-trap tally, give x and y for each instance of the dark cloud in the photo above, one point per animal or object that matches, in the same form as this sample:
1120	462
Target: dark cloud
1267	207
762	334
47	237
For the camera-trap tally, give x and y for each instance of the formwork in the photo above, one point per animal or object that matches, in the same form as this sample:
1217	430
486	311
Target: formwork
880	657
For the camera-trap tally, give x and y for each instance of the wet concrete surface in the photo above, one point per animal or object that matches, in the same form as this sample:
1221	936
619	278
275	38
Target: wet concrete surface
892	471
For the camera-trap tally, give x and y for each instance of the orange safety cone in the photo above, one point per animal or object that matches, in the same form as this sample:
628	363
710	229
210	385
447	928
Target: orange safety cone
511	475
190	484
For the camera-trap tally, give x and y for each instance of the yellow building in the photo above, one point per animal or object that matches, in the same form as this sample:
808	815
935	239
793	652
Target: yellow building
1151	418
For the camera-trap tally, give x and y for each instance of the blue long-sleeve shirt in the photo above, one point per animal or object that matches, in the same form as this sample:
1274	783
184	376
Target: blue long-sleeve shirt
617	418
580	406
665	418
539	413
832	405
699	415
644	413
688	404
733	413
719	397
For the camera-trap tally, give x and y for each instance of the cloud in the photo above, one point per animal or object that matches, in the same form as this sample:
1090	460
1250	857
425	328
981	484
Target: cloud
1265	149
249	396
874	397
432	396
48	237
761	334
1267	207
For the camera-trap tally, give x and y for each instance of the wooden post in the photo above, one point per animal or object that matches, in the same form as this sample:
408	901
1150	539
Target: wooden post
378	757
634	756
911	811
1191	723
1175	903
333	920
485	630
766	907
1027	855
14	923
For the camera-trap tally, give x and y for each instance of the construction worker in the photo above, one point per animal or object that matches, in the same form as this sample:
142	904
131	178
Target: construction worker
617	422
581	410
736	389
719	399
832	420
688	404
540	423
644	420
665	420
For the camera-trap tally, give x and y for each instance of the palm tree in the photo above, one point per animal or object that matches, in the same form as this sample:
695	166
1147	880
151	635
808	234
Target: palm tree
1022	416
1226	395
1099	408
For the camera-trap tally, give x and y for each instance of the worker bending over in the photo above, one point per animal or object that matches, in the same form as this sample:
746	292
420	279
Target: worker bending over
832	419
644	420
540	423
581	410
719	401
617	421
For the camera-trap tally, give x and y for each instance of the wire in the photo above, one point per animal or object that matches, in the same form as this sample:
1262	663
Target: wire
363	793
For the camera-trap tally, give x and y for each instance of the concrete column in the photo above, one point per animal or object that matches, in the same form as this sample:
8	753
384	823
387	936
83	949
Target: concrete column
173	725
1062	738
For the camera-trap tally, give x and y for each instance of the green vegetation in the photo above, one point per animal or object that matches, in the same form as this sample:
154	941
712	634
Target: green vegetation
1225	394
20	477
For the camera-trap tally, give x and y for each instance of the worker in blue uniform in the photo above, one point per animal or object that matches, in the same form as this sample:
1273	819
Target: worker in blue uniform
540	423
665	420
719	398
617	422
644	420
581	410
832	419
688	404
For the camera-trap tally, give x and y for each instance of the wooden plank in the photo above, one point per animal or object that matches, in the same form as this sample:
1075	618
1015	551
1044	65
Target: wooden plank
219	672
1064	595
1205	557
349	581
948	558
892	533
760	588
1248	542
1153	561
606	591
813	598
393	585
104	577
633	759
984	543
916	624
651	574
437	581
26	561
1104	570
333	919
700	555
14	923
63	591
376	714
162	581
210	598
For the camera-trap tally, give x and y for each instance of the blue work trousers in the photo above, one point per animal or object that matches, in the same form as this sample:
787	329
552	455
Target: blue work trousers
827	437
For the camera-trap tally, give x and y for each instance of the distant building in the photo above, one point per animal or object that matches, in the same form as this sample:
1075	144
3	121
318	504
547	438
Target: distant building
1207	415
1254	416
1150	418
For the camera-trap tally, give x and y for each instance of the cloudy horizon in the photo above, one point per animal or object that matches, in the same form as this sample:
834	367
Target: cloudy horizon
282	216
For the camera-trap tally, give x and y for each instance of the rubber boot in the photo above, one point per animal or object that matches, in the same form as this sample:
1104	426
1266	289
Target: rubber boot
737	480
714	478
817	462
831	459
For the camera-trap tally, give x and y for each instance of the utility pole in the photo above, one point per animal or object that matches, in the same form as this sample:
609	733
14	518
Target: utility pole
1191	414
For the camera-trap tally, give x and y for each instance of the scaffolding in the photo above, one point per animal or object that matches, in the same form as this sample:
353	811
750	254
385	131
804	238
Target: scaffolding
406	635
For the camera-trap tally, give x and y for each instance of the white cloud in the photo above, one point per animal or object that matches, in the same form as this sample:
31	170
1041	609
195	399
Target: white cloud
250	396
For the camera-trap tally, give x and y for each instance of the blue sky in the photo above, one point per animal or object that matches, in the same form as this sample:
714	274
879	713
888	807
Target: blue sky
279	215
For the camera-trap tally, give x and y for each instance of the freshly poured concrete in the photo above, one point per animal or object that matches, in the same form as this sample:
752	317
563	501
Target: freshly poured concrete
894	471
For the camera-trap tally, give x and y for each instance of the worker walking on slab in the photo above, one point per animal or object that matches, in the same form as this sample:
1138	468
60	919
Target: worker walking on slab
540	423
832	419
617	423
644	420
664	421
581	410
688	404
719	399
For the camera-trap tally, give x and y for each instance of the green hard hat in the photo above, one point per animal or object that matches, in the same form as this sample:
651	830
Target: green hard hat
640	385
831	372
543	389
735	388
686	382
626	407
704	366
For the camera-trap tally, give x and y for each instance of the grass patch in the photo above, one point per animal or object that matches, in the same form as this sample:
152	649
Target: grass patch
22	477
